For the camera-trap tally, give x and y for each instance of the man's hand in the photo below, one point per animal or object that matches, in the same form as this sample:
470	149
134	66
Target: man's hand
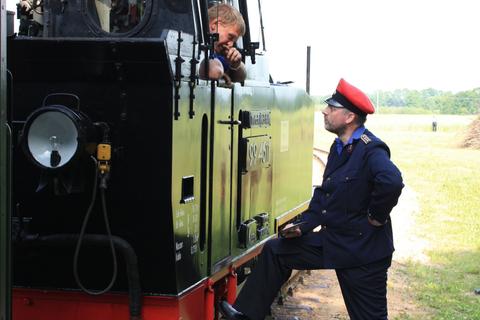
374	222
215	69
291	232
26	5
233	56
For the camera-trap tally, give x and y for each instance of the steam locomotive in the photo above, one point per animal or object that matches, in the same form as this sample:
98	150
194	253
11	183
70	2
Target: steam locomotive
139	190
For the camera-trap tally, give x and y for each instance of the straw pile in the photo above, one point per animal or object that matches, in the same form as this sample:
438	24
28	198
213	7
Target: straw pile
472	139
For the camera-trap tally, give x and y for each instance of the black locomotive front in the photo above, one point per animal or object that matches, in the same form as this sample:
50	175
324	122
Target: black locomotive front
131	174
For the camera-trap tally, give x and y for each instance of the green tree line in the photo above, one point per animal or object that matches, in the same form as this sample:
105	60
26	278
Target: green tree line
430	100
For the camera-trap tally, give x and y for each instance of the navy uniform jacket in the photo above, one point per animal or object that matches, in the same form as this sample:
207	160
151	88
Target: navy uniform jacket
360	181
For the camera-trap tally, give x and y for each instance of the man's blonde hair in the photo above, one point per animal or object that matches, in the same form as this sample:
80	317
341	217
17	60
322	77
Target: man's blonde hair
227	15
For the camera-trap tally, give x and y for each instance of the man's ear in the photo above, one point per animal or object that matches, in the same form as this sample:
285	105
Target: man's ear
213	25
350	117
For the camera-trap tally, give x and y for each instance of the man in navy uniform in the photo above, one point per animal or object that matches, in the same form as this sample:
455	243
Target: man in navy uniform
359	189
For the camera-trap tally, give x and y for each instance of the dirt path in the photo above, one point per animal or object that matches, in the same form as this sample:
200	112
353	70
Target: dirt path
319	296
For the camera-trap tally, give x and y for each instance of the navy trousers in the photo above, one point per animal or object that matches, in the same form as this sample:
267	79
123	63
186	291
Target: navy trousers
364	288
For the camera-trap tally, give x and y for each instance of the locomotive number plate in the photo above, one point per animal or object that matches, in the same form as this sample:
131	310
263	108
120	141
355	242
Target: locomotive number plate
256	153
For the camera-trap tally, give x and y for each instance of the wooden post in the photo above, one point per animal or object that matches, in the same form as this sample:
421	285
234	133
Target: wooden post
308	70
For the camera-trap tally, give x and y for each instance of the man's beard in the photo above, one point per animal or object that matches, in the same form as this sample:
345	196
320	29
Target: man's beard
336	130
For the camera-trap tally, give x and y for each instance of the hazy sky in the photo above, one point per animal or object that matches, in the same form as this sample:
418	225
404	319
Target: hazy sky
375	44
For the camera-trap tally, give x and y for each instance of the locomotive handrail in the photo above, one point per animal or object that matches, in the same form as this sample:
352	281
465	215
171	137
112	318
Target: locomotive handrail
230	122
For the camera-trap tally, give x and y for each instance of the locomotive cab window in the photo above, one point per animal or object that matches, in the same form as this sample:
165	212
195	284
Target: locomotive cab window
256	61
255	27
117	16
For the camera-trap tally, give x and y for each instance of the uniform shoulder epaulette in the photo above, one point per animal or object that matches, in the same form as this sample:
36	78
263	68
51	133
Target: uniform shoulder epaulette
365	139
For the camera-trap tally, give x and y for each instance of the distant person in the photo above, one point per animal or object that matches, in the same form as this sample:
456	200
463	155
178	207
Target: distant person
226	61
359	189
434	124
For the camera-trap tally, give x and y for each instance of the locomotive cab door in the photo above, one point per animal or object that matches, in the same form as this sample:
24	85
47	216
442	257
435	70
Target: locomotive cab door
241	167
254	103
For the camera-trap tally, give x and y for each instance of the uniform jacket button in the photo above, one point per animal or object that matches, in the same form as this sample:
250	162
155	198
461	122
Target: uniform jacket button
324	211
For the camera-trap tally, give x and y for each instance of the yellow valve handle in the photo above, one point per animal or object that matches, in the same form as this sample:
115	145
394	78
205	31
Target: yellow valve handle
104	152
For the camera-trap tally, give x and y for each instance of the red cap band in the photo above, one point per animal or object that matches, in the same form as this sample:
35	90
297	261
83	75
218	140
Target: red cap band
353	98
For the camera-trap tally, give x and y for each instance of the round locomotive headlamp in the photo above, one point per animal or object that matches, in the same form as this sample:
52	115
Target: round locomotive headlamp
55	135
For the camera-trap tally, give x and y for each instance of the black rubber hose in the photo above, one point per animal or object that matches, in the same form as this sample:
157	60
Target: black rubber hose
83	229
133	276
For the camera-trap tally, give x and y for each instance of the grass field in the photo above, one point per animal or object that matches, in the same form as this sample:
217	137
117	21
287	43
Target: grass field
446	179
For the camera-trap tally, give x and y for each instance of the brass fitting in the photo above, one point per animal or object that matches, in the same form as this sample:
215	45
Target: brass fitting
104	154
